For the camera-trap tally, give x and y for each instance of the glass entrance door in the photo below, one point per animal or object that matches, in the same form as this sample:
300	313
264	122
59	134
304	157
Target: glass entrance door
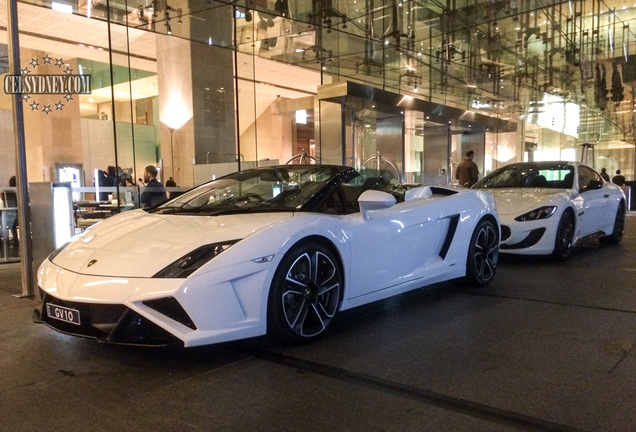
378	141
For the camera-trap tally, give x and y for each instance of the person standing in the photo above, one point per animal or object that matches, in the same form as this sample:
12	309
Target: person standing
154	192
604	174
11	217
618	179
467	171
170	184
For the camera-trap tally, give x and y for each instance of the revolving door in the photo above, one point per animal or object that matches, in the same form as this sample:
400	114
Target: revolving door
378	141
403	138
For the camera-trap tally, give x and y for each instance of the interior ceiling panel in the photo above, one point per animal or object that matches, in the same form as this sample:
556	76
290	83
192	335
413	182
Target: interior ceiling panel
496	57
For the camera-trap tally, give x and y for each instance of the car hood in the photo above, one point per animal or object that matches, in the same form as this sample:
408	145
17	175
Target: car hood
139	244
518	201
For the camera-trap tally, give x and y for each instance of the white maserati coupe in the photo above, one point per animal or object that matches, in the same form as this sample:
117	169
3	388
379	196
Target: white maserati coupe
277	250
547	207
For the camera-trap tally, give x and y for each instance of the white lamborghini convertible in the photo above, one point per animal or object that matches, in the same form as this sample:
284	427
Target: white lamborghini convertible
276	250
547	207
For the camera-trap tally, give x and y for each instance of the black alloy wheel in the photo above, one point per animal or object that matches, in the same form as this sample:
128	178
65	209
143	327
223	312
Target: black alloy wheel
483	254
305	293
619	227
564	237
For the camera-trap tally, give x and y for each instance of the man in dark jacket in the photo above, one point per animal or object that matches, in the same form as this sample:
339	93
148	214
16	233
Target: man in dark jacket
154	192
604	174
467	171
618	179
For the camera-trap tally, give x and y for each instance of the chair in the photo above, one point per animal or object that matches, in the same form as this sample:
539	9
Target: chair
540	181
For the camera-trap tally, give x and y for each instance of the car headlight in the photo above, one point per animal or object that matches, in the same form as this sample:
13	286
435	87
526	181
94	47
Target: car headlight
188	264
536	214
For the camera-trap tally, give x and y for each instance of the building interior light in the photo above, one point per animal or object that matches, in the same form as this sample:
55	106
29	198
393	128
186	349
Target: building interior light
62	7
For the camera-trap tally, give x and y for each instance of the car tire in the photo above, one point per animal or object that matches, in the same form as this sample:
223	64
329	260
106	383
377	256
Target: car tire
483	254
619	227
305	294
564	237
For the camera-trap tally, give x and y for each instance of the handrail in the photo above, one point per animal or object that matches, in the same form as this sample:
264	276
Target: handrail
301	158
379	158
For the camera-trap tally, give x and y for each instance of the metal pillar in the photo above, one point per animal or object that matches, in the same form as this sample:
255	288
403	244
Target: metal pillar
24	212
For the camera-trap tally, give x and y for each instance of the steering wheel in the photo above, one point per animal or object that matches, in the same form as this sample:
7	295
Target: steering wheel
249	199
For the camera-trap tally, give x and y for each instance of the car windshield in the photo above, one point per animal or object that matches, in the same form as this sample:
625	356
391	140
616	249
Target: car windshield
280	188
530	175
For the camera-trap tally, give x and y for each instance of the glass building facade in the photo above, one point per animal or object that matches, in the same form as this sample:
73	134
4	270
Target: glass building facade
201	88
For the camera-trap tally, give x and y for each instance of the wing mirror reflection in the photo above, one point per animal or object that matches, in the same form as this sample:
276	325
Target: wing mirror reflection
593	185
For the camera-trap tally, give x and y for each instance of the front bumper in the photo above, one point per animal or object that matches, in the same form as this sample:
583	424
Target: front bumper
108	323
527	238
211	307
528	241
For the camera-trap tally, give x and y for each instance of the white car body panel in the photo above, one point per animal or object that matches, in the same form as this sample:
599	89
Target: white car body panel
397	249
140	251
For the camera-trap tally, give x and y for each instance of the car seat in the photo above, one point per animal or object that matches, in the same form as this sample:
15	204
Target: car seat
567	180
540	181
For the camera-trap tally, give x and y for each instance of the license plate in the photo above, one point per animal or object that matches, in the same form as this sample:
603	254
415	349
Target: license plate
63	313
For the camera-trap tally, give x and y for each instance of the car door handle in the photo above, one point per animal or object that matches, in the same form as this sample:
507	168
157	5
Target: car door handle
606	196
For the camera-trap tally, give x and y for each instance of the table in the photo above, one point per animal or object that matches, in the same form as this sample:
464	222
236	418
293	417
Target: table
88	213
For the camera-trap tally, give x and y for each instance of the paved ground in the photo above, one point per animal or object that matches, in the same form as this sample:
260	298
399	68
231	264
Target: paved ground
546	347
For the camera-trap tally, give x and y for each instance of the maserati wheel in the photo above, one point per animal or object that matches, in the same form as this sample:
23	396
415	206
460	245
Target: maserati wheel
305	293
619	227
564	237
483	254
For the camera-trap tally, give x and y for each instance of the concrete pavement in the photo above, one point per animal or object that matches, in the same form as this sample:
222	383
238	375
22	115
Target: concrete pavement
547	346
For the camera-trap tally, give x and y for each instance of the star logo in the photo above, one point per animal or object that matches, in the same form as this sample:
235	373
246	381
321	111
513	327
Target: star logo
69	83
